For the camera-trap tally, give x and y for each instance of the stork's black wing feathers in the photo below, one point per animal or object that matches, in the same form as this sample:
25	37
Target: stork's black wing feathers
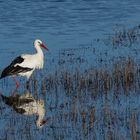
17	60
15	70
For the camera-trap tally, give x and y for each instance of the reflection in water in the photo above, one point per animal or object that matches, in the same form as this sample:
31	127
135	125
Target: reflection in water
26	104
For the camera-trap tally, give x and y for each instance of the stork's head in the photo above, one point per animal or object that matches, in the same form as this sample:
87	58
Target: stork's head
38	43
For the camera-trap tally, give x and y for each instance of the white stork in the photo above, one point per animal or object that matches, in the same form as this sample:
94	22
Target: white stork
25	104
25	64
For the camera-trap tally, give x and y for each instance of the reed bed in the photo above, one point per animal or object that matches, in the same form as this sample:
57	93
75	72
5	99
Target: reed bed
123	76
89	104
123	37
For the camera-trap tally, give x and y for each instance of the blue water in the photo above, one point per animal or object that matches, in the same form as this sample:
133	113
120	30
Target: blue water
62	23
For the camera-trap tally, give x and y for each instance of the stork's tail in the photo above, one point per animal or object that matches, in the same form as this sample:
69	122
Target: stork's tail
4	73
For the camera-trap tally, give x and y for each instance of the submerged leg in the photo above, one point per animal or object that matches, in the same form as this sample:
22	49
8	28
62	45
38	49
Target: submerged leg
16	82
27	84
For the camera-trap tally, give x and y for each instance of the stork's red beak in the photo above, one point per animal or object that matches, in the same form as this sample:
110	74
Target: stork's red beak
43	46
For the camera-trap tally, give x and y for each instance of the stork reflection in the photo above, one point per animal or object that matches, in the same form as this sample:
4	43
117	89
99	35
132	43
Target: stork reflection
26	104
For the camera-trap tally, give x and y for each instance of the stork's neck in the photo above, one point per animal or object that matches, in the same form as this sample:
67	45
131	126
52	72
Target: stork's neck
39	51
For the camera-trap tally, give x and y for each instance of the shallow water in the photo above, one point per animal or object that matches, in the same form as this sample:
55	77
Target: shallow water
63	24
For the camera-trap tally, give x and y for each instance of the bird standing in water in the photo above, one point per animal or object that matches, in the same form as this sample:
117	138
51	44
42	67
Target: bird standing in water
25	64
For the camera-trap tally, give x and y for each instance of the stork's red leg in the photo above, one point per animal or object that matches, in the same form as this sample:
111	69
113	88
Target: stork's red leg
16	82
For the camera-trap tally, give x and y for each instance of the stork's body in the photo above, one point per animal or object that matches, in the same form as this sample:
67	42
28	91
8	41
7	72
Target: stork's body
26	105
25	64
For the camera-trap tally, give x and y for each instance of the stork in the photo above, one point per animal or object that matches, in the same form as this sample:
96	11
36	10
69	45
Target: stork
25	104
25	64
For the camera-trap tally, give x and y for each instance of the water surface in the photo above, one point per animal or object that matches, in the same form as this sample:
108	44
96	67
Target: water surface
61	23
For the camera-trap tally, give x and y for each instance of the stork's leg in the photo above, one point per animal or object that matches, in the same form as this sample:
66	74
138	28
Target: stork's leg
27	84
16	82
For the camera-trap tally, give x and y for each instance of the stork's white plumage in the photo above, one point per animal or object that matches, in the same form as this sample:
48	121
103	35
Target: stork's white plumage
26	104
25	64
